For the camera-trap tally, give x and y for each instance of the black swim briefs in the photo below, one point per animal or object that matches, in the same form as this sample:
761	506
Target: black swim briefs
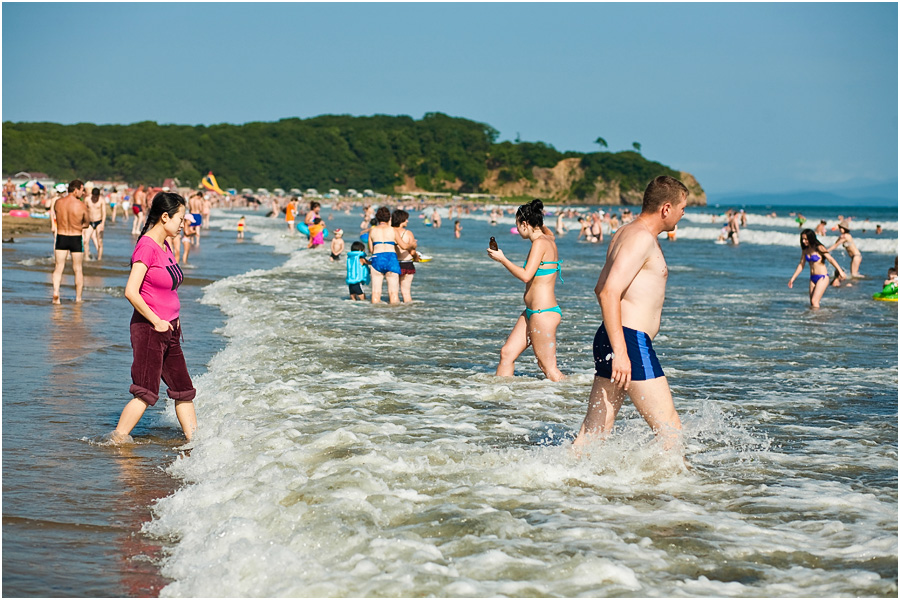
72	243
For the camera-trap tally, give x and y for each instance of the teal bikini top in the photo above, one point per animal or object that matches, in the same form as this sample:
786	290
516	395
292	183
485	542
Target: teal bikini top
540	272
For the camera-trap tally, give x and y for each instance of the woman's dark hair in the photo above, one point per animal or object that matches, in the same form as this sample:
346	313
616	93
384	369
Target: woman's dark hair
383	215
531	213
398	216
358	247
812	242
313	205
163	202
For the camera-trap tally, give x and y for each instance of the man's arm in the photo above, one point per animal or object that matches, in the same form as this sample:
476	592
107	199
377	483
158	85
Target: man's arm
627	263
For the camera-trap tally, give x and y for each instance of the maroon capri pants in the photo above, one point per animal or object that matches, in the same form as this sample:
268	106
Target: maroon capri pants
158	356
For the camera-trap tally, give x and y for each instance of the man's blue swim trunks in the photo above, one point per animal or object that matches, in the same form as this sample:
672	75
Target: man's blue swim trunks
385	262
644	364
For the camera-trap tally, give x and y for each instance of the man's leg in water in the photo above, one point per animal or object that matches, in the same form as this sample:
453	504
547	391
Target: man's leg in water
58	268
603	406
77	265
653	399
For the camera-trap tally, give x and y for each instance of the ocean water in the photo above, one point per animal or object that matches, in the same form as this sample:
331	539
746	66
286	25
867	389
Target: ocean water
347	449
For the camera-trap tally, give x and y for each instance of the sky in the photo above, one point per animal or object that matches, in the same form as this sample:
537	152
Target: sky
760	98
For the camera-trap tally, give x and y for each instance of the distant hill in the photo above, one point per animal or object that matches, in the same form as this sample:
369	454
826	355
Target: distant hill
390	154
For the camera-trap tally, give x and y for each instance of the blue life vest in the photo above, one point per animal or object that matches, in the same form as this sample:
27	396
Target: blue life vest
356	271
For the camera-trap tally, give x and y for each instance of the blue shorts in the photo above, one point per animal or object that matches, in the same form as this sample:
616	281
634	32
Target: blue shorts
644	364
385	262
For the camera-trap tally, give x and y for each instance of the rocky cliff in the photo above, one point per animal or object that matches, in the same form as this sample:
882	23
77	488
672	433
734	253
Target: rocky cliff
556	184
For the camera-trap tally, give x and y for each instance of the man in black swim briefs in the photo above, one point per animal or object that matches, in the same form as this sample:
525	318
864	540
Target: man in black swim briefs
631	290
71	221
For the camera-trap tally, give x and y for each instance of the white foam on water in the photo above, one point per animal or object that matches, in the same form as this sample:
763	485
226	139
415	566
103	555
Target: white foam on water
352	450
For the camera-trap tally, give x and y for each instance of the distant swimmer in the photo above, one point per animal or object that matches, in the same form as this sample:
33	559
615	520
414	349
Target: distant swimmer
536	325
850	246
814	253
152	289
241	224
71	221
631	290
820	228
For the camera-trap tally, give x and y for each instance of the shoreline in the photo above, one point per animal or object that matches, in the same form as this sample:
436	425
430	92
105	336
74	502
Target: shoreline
68	383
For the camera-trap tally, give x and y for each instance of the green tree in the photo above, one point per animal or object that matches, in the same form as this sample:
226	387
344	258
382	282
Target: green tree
636	146
601	142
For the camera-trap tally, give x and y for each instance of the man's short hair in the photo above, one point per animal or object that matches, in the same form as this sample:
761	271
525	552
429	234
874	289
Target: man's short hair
663	189
75	184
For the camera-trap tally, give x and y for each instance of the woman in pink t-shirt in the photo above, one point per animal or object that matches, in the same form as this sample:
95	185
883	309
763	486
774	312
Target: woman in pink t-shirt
155	327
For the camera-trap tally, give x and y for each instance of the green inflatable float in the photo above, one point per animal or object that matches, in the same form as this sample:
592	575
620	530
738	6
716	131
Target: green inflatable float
888	294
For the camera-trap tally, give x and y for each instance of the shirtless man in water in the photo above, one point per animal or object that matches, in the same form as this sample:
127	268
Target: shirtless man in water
96	210
631	290
71	221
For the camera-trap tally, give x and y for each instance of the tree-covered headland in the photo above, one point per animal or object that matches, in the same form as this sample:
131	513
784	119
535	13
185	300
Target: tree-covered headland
389	154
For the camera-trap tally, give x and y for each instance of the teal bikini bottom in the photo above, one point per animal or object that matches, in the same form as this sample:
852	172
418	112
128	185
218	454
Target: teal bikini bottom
529	312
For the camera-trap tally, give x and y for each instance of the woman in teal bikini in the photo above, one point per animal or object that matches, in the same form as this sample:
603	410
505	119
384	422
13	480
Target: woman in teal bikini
813	253
536	326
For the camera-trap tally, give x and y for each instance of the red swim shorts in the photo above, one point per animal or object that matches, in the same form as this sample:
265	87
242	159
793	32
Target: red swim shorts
158	356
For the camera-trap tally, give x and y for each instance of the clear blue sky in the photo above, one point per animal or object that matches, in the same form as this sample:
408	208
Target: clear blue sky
747	97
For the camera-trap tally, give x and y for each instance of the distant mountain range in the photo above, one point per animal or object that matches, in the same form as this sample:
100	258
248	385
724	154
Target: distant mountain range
848	194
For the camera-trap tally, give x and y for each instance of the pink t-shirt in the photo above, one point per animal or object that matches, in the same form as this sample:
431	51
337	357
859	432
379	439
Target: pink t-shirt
160	285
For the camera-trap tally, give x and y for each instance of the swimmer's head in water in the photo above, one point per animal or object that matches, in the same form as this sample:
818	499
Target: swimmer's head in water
531	214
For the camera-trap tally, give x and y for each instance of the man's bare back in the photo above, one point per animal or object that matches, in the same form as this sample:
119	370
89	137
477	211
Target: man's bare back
71	216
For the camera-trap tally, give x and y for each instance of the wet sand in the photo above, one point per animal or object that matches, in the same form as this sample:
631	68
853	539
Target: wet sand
72	509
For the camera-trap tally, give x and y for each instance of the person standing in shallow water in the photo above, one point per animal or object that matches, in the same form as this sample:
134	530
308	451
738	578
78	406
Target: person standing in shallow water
536	326
631	290
152	289
71	220
813	252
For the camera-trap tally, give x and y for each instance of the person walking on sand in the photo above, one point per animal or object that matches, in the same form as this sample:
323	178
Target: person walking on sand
385	266
536	325
631	290
71	221
814	253
96	210
152	289
850	246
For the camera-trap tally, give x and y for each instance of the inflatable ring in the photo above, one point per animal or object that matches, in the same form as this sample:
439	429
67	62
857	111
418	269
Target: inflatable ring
514	230
888	294
302	228
19	213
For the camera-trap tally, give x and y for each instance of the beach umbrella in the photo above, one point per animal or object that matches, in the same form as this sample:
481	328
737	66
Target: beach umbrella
30	183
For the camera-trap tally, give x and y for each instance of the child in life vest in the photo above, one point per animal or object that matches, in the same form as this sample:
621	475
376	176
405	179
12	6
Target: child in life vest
357	270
